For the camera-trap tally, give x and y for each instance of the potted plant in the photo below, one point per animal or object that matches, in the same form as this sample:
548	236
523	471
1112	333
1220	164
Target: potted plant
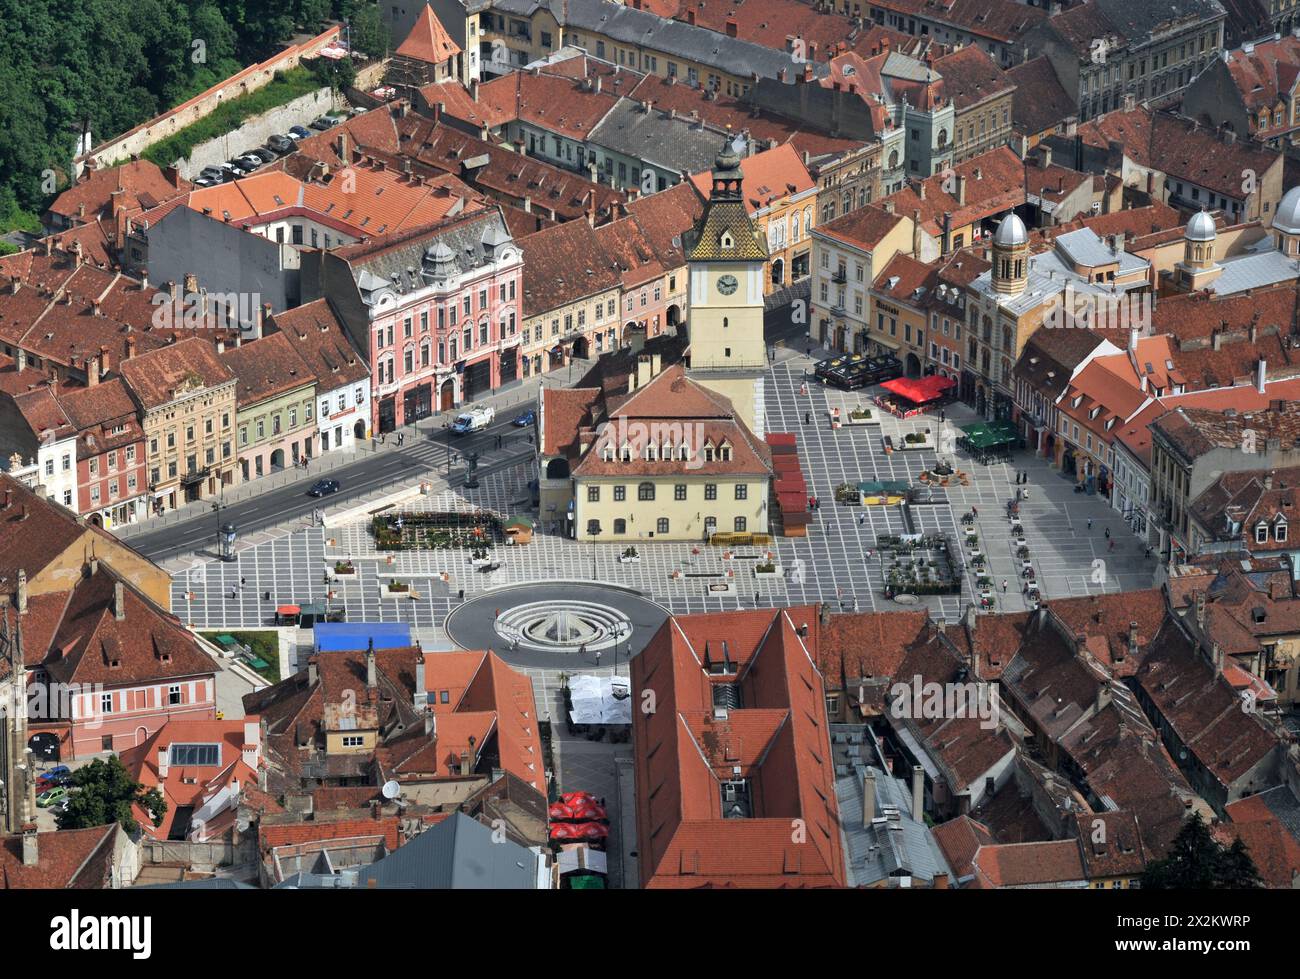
766	569
630	555
479	557
398	587
344	567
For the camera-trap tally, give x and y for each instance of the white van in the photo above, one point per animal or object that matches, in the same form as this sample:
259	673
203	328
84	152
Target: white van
473	420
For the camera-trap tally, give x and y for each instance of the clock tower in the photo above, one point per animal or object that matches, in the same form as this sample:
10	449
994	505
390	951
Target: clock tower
726	255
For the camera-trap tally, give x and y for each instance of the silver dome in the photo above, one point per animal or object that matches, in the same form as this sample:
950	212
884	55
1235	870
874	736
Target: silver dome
1201	227
1287	216
1011	232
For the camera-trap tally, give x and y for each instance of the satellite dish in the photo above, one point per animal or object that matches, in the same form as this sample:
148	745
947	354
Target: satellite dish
391	790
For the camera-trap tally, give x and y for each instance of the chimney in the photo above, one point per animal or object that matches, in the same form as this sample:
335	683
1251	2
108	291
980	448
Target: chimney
868	796
22	578
889	207
105	362
473	89
1200	609
31	848
961	189
119	601
252	749
421	691
372	674
1044	155
430	723
92	372
313	673
918	793
1216	656
1261	369
341	145
130	347
464	762
1132	643
824	614
162	762
920	190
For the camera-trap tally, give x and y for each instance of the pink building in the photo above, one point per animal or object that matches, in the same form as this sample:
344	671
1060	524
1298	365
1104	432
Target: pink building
436	310
111	480
112	666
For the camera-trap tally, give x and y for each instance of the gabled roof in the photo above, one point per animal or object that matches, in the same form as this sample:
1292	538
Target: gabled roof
79	859
458	853
1040	101
428	40
156	376
322	342
771	177
266	368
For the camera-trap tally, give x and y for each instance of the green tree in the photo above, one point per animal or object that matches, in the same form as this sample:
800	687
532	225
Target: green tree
1197	861
369	32
105	793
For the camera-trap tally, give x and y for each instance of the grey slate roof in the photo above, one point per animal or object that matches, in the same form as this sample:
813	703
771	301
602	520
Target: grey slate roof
457	853
1137	21
671	144
1086	247
640	27
1263	268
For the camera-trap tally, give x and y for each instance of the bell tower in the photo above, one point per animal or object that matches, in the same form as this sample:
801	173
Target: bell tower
725	256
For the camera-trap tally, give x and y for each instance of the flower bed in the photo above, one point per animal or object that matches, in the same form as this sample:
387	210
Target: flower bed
434	531
767	570
344	567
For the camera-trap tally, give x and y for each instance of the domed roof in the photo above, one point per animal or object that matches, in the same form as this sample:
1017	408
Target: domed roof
728	159
1287	217
1201	227
1011	232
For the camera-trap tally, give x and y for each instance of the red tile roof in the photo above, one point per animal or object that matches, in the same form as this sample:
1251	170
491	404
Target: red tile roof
770	177
266	368
684	751
994	184
156	375
80	859
322	342
428	40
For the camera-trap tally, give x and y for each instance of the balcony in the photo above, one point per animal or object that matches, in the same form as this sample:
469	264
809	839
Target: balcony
195	476
840	276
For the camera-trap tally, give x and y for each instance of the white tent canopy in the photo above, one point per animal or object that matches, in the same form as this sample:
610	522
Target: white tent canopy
600	700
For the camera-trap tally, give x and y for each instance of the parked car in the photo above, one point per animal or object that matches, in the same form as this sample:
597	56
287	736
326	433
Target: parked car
211	173
281	144
525	418
299	132
207	181
236	167
58	775
51	796
249	162
263	154
324	123
324	487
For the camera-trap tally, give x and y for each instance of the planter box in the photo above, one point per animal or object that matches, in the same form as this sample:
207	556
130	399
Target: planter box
629	560
871	419
776	572
480	562
904	444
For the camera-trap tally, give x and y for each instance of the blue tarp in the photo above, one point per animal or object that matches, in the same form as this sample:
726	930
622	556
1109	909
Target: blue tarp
335	636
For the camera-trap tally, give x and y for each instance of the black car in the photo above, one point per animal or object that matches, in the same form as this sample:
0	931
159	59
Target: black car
281	144
237	167
263	154
324	487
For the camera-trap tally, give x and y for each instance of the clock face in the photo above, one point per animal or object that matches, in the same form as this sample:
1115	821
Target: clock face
727	284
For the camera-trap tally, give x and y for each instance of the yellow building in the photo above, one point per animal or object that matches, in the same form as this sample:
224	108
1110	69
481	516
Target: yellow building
187	397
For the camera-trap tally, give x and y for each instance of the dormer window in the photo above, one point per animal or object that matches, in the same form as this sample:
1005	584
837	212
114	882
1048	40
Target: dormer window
1261	533
626	452
607	453
650	452
724	452
683	452
727	241
1279	529
708	451
666	451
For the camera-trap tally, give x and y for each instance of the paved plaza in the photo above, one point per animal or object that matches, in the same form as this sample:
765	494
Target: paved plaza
829	565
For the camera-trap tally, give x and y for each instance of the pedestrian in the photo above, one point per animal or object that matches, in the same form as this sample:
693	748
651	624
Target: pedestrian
598	657
861	519
497	614
1107	533
943	416
241	581
1111	546
807	417
755	599
1004	586
1090	523
974	511
460	596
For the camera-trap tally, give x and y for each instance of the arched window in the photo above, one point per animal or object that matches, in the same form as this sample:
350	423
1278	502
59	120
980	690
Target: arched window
645	491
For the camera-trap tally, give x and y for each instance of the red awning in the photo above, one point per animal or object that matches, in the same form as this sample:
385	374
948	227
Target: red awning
288	610
919	389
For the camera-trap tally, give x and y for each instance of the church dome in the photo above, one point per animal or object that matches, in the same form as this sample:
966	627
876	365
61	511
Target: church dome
1011	232
1287	217
1201	227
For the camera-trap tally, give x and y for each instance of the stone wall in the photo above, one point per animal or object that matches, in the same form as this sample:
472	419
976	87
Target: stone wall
256	130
